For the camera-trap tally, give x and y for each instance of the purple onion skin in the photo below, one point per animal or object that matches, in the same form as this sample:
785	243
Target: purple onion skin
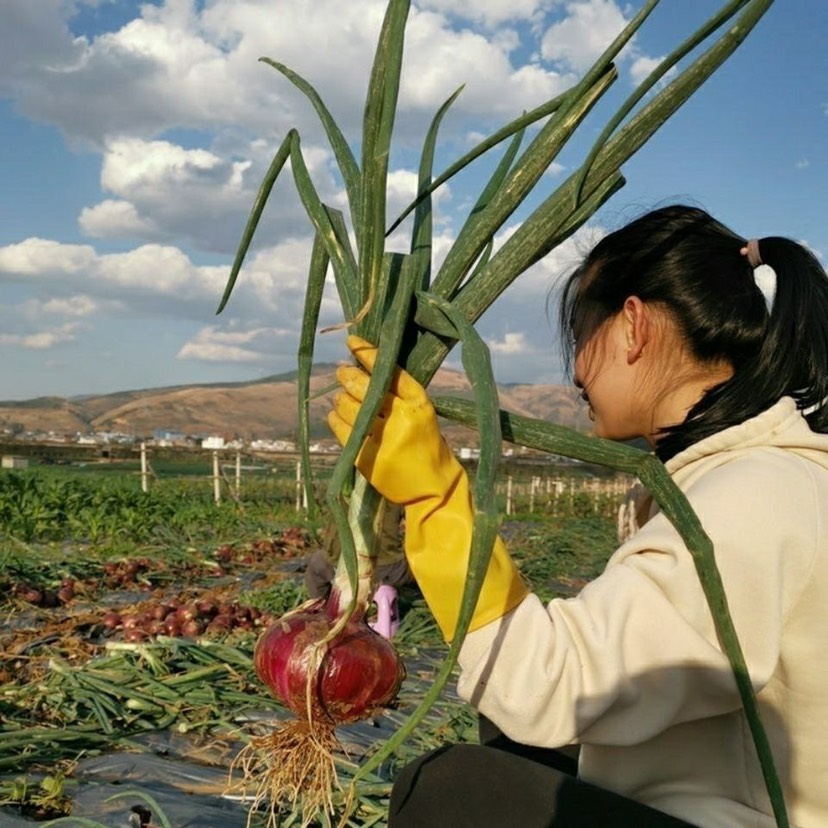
359	672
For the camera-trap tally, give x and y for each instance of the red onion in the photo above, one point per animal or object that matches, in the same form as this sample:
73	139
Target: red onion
357	672
192	628
32	595
111	620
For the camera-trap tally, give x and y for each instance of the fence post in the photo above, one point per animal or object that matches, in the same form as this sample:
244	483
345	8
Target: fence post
238	474
299	486
216	478
144	469
509	495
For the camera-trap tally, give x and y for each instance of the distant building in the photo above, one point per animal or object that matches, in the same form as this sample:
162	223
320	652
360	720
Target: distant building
467	453
169	436
11	461
272	445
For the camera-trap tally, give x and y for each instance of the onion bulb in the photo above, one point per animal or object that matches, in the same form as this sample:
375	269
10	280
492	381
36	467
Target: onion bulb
356	673
328	671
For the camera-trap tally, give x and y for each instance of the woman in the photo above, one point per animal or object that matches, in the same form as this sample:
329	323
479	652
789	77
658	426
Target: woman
674	342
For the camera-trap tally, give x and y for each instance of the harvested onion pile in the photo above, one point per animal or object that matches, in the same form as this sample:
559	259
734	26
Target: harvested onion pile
188	619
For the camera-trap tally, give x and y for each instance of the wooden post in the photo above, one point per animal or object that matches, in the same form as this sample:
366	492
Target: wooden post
509	495
238	474
144	469
216	478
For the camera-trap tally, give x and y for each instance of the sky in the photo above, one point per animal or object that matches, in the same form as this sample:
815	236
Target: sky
135	135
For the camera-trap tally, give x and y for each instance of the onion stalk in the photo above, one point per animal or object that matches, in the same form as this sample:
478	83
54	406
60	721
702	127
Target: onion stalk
378	292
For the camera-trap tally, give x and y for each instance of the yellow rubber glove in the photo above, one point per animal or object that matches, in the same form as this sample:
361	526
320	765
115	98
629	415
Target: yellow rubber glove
406	459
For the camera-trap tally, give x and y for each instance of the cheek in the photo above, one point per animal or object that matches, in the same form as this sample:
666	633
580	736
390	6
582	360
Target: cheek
582	365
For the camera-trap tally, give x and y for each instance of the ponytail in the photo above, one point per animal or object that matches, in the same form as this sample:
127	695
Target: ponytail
793	359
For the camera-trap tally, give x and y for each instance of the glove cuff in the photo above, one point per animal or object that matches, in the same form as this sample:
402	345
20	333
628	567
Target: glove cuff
438	536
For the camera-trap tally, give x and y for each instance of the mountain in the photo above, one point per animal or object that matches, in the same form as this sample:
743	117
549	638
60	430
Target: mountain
260	409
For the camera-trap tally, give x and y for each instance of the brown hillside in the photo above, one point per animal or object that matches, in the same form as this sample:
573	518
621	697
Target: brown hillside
263	410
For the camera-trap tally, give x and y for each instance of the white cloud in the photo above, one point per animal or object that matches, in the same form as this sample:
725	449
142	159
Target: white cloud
34	40
150	270
577	40
175	66
642	66
115	219
167	193
133	167
438	59
211	344
42	340
37	257
79	305
217	352
512	344
765	278
490	12
161	281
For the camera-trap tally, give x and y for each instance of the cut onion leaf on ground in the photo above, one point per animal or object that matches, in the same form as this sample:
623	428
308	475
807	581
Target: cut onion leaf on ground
375	289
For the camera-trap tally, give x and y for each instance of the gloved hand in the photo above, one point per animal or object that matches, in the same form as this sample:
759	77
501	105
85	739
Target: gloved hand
406	459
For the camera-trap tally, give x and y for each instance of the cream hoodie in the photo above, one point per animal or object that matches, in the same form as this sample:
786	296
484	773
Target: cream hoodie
632	670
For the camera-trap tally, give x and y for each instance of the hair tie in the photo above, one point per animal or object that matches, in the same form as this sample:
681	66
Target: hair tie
751	250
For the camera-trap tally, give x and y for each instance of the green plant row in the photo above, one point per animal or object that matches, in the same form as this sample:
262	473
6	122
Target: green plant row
42	507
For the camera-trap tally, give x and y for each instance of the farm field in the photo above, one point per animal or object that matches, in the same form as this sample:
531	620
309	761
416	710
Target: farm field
129	619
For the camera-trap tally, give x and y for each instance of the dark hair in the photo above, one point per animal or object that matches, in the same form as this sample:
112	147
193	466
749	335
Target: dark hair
691	264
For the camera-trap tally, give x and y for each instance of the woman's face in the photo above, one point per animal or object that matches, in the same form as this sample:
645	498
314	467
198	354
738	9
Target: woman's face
610	383
637	376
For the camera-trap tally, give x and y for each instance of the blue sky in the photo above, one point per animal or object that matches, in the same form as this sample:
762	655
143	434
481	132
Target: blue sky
135	135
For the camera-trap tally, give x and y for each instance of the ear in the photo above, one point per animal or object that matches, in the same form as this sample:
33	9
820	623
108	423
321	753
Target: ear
637	327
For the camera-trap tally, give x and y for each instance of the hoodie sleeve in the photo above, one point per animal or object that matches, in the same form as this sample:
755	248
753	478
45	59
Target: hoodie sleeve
636	651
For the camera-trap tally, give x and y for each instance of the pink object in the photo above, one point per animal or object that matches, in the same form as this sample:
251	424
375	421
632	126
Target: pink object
387	621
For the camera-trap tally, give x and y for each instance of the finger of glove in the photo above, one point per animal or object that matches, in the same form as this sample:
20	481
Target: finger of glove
355	384
341	423
354	380
340	428
402	384
368	461
347	407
